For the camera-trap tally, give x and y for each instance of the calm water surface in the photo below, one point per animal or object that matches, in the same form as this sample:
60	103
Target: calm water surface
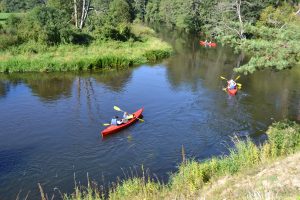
50	123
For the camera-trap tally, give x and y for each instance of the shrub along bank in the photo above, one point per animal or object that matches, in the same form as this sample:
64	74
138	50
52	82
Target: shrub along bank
33	57
192	176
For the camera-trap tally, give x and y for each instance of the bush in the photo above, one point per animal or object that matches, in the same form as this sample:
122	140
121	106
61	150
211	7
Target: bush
7	40
121	33
43	24
284	138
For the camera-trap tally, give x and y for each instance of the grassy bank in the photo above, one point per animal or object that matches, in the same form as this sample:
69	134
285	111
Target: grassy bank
194	180
32	57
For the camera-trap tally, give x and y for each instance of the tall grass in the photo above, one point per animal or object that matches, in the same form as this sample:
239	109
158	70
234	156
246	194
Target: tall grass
31	57
284	139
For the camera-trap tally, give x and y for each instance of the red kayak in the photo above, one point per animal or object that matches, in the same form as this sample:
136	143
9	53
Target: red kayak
113	129
203	43
232	92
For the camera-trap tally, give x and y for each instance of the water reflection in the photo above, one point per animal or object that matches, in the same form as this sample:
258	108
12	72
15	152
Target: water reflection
280	89
115	80
4	88
194	63
49	87
54	86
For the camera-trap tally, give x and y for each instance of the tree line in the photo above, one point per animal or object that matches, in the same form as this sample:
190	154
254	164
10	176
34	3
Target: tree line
81	21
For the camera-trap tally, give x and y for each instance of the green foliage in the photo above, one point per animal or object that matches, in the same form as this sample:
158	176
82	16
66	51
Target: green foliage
139	9
274	43
182	14
19	5
65	5
43	24
277	17
116	25
7	40
47	25
119	12
271	48
284	138
121	32
152	11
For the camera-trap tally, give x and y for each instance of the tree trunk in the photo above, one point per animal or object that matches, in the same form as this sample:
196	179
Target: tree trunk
75	13
84	13
238	12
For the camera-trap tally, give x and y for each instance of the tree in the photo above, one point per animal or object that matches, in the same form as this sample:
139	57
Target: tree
140	9
43	24
81	12
277	17
20	5
231	17
119	12
152	11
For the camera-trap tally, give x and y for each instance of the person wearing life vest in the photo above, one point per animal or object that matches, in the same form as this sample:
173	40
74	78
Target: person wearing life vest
126	117
115	121
231	84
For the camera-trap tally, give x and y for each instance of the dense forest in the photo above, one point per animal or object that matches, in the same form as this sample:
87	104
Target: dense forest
268	30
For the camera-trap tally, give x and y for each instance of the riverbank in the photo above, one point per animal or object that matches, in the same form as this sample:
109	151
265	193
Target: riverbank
219	178
33	57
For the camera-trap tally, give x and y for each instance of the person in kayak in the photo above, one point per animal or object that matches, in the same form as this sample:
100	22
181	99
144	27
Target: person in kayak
231	84
126	117
115	121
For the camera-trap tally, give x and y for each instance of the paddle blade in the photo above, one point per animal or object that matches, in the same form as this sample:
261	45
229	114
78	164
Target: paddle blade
141	120
239	84
106	124
237	78
117	108
223	78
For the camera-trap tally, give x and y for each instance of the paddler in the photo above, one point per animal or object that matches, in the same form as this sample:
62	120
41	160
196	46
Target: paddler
231	84
126	117
115	121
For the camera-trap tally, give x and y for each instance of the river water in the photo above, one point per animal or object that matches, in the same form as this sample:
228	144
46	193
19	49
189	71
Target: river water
50	123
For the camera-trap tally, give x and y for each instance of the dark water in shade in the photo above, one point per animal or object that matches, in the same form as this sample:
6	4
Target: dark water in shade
50	123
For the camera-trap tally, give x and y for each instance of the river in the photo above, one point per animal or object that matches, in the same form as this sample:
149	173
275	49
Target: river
50	123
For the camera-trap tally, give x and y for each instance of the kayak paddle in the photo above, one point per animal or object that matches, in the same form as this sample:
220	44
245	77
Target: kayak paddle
119	109
106	124
223	78
238	84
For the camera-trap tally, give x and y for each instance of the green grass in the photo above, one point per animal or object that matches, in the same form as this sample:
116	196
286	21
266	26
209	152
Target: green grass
32	57
192	176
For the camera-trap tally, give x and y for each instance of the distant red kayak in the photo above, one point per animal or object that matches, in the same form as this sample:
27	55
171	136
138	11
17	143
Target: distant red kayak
113	129
232	92
203	43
